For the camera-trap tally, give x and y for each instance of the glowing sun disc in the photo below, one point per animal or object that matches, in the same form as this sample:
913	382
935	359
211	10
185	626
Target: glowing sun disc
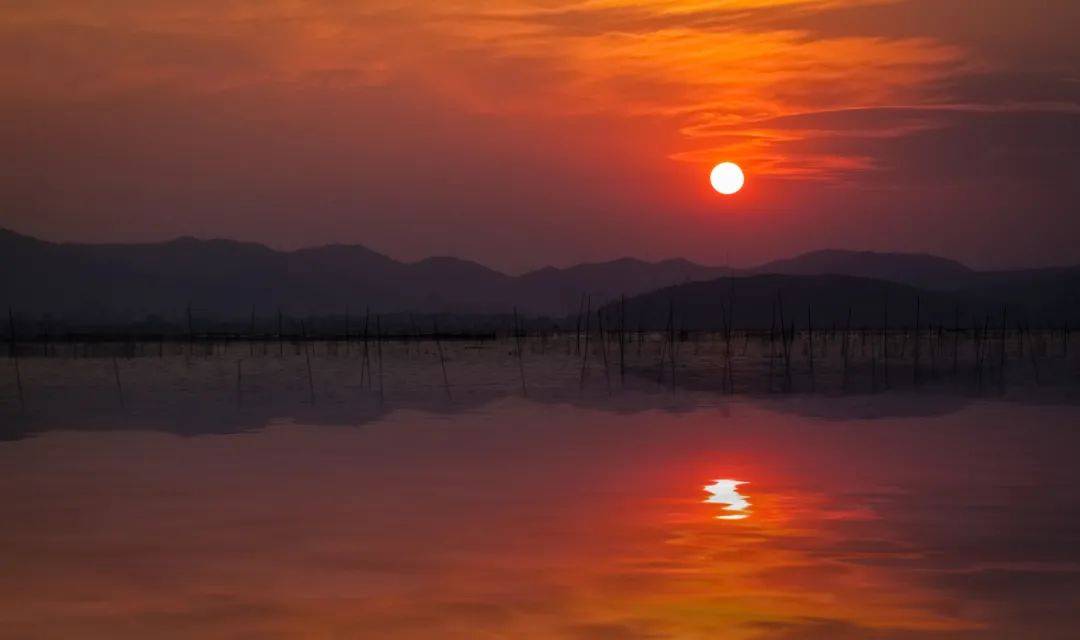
727	178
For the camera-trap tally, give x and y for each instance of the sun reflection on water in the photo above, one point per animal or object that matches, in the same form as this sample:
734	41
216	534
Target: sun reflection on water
726	492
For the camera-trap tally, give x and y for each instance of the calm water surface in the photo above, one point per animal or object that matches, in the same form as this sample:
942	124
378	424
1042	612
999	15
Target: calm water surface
515	519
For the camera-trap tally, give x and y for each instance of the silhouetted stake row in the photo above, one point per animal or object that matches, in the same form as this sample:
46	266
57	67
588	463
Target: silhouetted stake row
989	345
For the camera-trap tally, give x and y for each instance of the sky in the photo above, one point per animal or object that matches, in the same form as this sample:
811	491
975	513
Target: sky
522	133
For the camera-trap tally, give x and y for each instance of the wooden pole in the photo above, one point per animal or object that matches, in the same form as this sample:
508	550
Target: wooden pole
956	341
916	353
577	330
603	347
844	348
885	342
307	359
622	340
190	330
379	356
11	327
14	355
585	354
280	336
520	358
442	359
365	363
772	345
671	315
119	388
810	337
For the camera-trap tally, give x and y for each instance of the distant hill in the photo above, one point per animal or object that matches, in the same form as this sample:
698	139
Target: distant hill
562	288
918	269
226	279
1043	300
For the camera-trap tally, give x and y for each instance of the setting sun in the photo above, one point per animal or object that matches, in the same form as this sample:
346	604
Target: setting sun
727	178
726	492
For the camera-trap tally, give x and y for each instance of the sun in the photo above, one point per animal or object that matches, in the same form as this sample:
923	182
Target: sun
727	178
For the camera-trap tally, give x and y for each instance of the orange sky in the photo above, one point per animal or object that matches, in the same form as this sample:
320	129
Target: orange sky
575	130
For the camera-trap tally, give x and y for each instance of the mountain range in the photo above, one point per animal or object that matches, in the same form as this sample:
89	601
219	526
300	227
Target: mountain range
231	279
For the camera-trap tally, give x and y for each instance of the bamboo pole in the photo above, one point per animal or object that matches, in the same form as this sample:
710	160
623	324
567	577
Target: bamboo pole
603	347
307	359
585	354
885	342
520	358
14	355
119	388
622	340
379	357
671	315
810	337
442	359
844	347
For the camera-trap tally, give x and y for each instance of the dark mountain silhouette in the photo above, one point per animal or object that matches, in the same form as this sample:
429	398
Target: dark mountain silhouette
225	279
919	269
1044	299
562	288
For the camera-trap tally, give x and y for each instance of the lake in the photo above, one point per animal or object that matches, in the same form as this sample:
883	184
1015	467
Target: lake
591	515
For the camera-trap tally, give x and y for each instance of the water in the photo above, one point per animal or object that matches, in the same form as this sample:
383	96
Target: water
245	494
580	515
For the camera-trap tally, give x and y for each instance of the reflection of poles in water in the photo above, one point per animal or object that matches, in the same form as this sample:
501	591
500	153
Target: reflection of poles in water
239	382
